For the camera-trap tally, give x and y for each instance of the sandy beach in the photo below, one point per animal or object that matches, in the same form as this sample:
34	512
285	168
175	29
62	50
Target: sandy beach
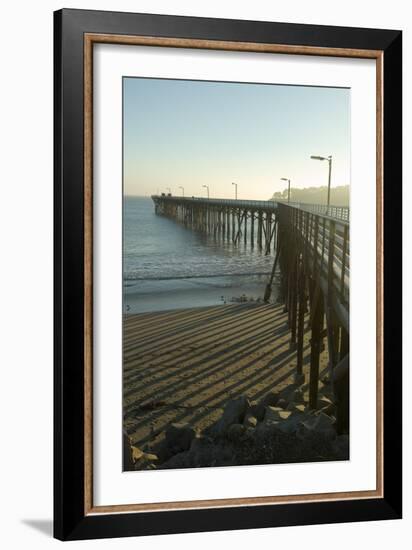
184	365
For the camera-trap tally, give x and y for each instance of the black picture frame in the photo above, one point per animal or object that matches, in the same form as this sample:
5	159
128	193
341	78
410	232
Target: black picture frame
70	520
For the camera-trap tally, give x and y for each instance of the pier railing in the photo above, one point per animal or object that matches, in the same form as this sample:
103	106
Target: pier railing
324	243
237	203
315	265
338	212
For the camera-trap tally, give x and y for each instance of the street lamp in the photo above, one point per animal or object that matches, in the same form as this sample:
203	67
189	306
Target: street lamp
207	187
170	191
288	180
235	184
183	190
329	159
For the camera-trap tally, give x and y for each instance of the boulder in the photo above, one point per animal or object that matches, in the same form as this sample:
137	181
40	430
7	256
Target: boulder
330	410
341	447
180	460
276	414
197	443
233	413
287	390
148	461
179	437
300	408
284	421
296	396
201	451
250	421
318	426
270	399
324	401
326	405
257	410
290	425
269	429
235	432
150	457
162	451
128	463
223	456
265	430
249	433
144	461
136	454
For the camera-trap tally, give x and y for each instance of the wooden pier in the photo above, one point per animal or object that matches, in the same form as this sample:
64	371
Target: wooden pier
311	249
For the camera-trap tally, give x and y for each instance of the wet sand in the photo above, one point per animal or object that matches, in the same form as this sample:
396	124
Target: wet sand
143	296
183	365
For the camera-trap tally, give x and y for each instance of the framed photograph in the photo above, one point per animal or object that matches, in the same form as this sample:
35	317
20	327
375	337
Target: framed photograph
227	274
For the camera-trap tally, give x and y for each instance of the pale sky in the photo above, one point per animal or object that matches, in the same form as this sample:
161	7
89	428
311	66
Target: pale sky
194	133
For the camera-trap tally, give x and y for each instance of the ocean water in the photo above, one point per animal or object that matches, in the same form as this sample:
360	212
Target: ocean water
167	266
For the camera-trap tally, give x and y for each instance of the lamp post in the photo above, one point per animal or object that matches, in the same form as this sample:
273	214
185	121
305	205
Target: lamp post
288	180
235	184
170	191
329	159
183	190
207	187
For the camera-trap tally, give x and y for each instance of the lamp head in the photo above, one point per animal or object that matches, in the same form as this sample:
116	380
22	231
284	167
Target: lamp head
315	157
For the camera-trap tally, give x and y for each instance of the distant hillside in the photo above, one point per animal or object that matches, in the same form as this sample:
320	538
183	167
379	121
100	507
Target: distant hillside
339	196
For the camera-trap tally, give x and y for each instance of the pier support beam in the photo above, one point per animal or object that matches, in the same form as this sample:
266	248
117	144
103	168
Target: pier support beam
315	346
294	299
301	319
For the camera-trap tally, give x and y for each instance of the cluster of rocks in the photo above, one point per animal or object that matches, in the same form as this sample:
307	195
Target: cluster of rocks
278	428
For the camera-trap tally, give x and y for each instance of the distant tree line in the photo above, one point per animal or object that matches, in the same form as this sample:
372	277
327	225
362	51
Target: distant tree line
339	196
